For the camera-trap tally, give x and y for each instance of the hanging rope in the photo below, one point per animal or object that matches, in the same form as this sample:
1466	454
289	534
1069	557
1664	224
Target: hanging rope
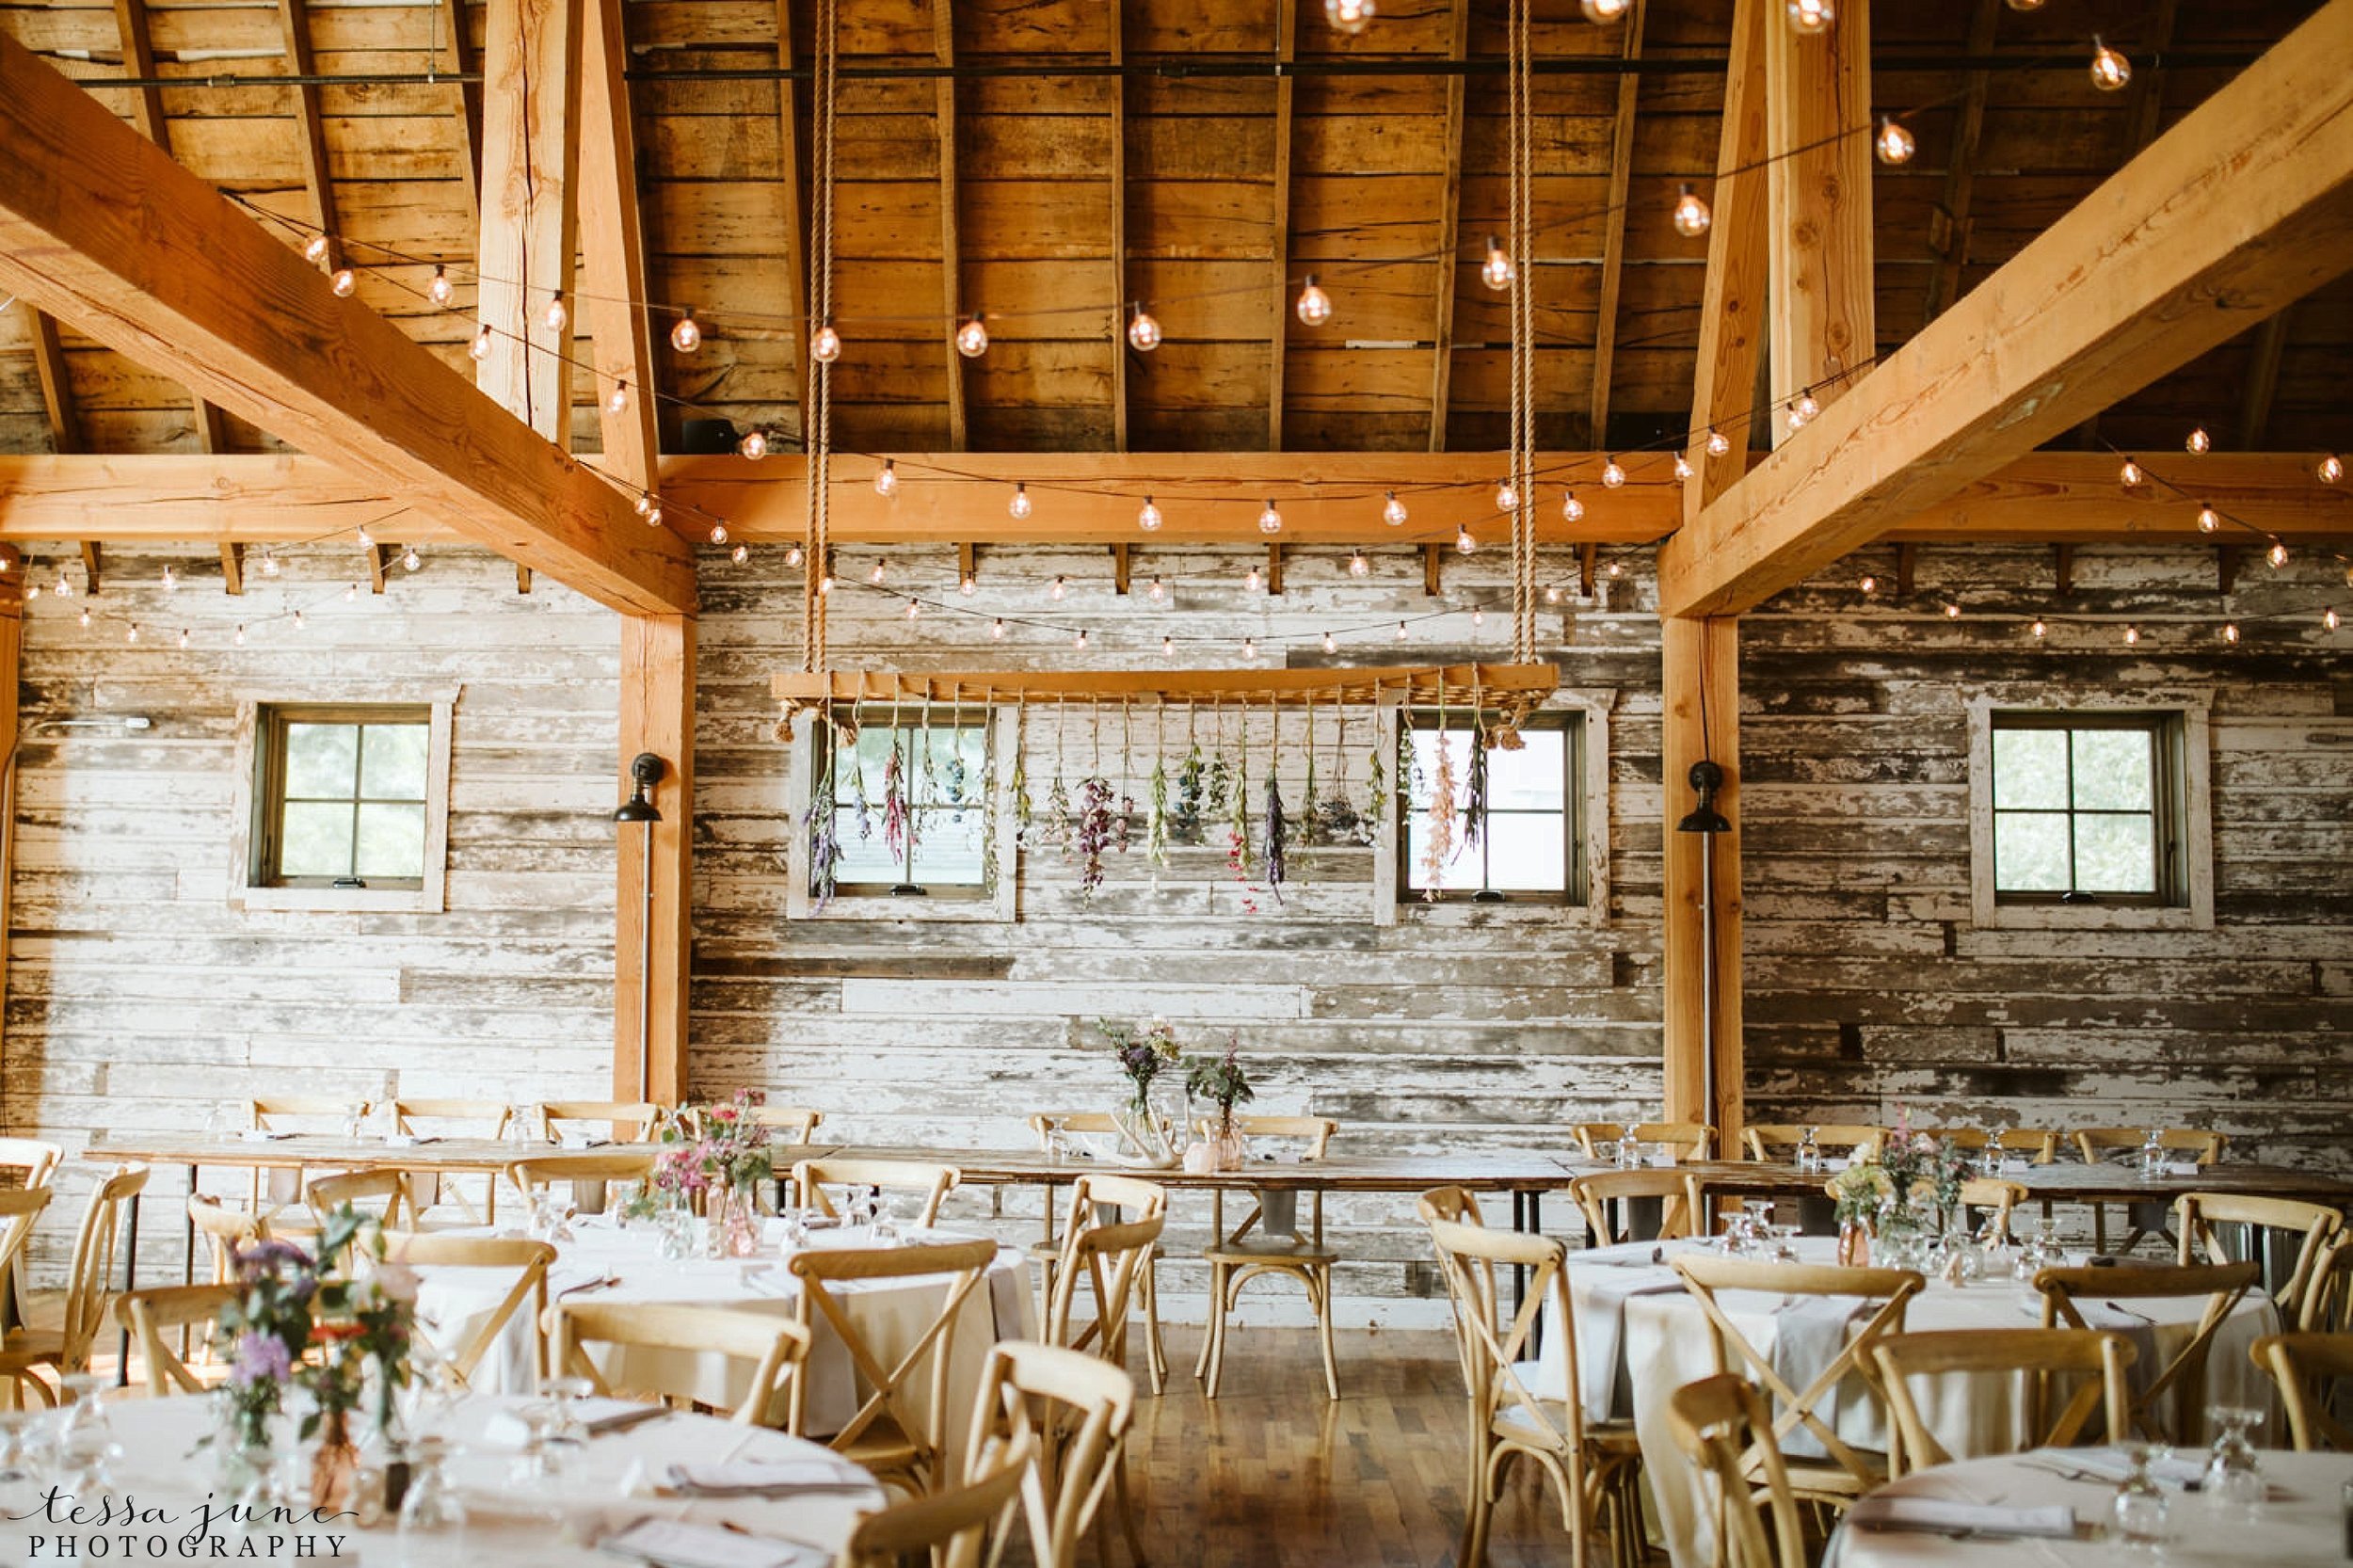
817	394
1521	229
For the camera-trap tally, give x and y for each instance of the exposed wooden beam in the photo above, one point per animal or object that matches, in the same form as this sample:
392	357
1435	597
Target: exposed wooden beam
1701	1003
523	580
1732	305
311	125
1432	578
652	941
530	206
1449	235
93	567
1115	21
57	383
379	561
1275	569
2064	570
449	19
1907	567
612	253
1613	233
1279	244
1588	557
2240	209
233	568
2261	383
950	238
2144	109
98	222
1961	166
1120	577
795	238
968	562
1819	187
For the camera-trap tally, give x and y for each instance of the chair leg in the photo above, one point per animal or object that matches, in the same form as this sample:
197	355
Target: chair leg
1154	1348
1479	1504
1320	1292
1209	1324
1217	1336
1126	1515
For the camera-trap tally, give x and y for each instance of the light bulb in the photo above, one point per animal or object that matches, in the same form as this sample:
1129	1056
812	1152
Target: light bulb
617	401
754	444
1331	647
132	635
739	555
411	560
481	349
1393	511
1401	631
2208	519
1020	505
1894	144
1478	615
1349	17
718	533
1870	584
2130	473
2132	635
825	583
2198	440
881	569
2331	469
351	591
440	291
367	540
1683	469
1147	515
239	638
85	615
1081	640
2230	631
653	515
1251	580
2025	5
825	345
184	637
2038	627
887	477
65	586
1168	647
967	587
2328	619
1249	649
1611	474
914	608
1155	591
2110	71
1603	10
1269	520
1359	566
793	556
972	337
687	336
1463	543
315	251
1691	216
1496	270
1952	612
1056	589
555	317
1144	331
1800	413
1571	508
343	283
2278	555
269	564
1718	443
1552	593
1507	498
171	579
298	623
1809	17
1315	306
997	628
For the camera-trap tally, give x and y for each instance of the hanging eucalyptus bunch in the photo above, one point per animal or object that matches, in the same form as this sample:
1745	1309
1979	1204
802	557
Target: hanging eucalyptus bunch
859	805
1189	781
1376	783
1475	793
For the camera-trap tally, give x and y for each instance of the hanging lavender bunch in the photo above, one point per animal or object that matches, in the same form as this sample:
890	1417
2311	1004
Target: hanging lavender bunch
1440	848
1189	779
1156	825
1124	825
825	844
1475	802
1274	836
857	793
1310	822
894	805
1095	831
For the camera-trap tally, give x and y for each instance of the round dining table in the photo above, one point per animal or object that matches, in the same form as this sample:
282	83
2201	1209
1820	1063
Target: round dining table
703	1490
2302	1520
1640	1335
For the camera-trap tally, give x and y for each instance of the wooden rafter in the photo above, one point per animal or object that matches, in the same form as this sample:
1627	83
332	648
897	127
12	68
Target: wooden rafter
92	567
1819	189
147	258
311	125
530	206
56	385
233	568
2263	380
1449	235
2244	206
1115	22
449	18
951	239
1514	688
2144	109
795	237
1961	166
1279	245
613	251
1613	233
1732	307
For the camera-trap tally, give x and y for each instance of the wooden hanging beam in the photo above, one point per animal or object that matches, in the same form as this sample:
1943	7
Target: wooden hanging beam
2227	560
1449	269
90	567
311	126
380	557
1950	228
2064	563
1513	687
2244	206
1613	231
1119	568
532	61
56	385
1907	569
613	253
233	568
1433	582
1275	569
1588	556
1818	187
451	15
1732	305
967	563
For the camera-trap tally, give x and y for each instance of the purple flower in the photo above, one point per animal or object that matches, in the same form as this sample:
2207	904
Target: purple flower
260	1358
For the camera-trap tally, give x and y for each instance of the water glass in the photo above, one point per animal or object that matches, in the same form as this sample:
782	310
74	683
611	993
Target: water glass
432	1512
2233	1482
2137	1515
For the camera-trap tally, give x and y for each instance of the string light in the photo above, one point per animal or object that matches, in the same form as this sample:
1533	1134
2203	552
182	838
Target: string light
2230	631
1329	645
1691	216
1617	568
171	580
887	477
1463	540
754	444
2328	619
718	533
440	291
2199	442
972	337
825	345
132	635
315	251
2278	555
1168	647
1603	11
1552	593
1809	17
617	401
1683	469
1870	584
1952	612
1497	271
1056	589
1894	145
2208	519
297	620
86	617
555	317
739	555
1359	566
351	591
239	638
1611	474
2110	71
1081	640
1251	580
1249	649
2132	636
1718	443
1401	631
914	608
1020	506
1393	510
480	349
882	567
966	586
1802	410
825	581
2331	469
2025	5
1478	615
1571	508
184	637
997	628
2039	628
1507	498
2130	473
1349	17
411	560
1148	516
1315	306
1155	591
367	540
793	556
653	515
687	336
65	585
1144	331
345	283
1269	518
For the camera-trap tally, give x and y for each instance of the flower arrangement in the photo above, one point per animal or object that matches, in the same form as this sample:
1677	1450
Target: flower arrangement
307	1318
1144	1052
1915	1172
1221	1081
725	1149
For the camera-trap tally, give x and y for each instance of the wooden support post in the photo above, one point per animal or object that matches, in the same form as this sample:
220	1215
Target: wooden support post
652	936
1587	555
1907	565
1612	233
967	564
91	564
1275	569
2064	560
450	18
1431	555
951	241
531	63
1450	234
233	568
379	562
311	125
522	579
1819	190
56	387
1119	569
1279	252
1700	682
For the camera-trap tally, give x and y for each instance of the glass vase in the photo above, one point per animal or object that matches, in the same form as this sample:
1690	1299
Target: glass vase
1144	1140
740	1223
1854	1245
334	1465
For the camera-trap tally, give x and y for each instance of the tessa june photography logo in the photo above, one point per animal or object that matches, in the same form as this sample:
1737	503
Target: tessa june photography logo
61	1528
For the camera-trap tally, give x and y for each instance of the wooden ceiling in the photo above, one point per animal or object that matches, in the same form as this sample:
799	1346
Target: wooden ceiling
1167	161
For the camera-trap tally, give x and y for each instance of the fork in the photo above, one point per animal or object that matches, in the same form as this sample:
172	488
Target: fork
600	1283
2130	1313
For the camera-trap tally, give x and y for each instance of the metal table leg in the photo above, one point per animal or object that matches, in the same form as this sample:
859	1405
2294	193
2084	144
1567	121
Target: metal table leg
130	1282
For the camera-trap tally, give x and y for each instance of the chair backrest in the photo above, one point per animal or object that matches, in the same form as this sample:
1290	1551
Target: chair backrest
774	1346
20	1207
2223	1285
2310	1369
2039	1144
1721	1426
919	1412
2195	1214
1493	1341
146	1314
226	1229
530	1262
1313	1134
1852	1140
272	1114
811	1177
949	1524
485	1118
2095	1143
799	1121
1108	1254
630	1121
631	1164
1073	1411
1691	1140
381	1195
2045	1356
1990	1192
1886	1290
34	1158
2328	1297
91	1282
1677	1191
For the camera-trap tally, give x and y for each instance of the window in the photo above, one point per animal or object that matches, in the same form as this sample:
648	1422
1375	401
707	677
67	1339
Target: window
941	777
2089	817
345	804
1532	847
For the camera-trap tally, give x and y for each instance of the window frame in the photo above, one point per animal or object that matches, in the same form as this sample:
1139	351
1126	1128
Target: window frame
260	775
2181	815
908	889
1569	724
999	901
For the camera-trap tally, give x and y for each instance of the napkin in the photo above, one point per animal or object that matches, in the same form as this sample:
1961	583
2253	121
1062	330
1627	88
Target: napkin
1945	1516
258	1136
677	1544
1808	1334
596	1416
2107	1465
1601	1294
757	1477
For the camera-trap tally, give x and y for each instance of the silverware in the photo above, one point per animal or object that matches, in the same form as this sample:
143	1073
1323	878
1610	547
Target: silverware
601	1282
2130	1313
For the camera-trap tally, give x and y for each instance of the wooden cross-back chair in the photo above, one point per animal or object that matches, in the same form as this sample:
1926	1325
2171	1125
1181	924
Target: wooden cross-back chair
1453	1206
20	1207
1998	1198
150	1314
1073	1410
2100	1144
2039	1144
624	1121
2328	1297
381	1195
771	1346
1593	1467
1279	1250
2046	1357
1723	1427
1689	1140
530	1261
2315	1374
797	1120
900	1430
1846	1472
1047	1254
1110	1258
2223	1285
585	1172
949	1528
1676	1192
2195	1214
225	1231
1847	1140
811	1177
443	1118
81	1310
30	1161
277	1191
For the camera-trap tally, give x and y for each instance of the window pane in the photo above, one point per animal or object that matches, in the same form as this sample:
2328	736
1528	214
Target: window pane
1426	759
863	859
2115	855
2031	851
1531	778
2029	769
2112	770
392	762
317	839
948	853
321	760
1526	854
392	841
1461	870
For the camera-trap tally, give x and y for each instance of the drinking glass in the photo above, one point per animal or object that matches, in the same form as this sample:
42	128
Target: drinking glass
21	1440
885	1223
2235	1483
1783	1243
2137	1515
432	1513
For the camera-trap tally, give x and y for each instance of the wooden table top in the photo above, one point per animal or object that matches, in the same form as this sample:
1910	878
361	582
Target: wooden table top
2068	1182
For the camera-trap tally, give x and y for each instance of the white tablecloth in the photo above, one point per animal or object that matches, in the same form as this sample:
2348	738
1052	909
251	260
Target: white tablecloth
1639	1337
164	1471
2303	1523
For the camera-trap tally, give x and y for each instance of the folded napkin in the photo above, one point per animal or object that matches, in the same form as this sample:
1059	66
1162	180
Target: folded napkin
675	1544
1945	1516
2174	1470
1808	1334
1599	1296
764	1477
